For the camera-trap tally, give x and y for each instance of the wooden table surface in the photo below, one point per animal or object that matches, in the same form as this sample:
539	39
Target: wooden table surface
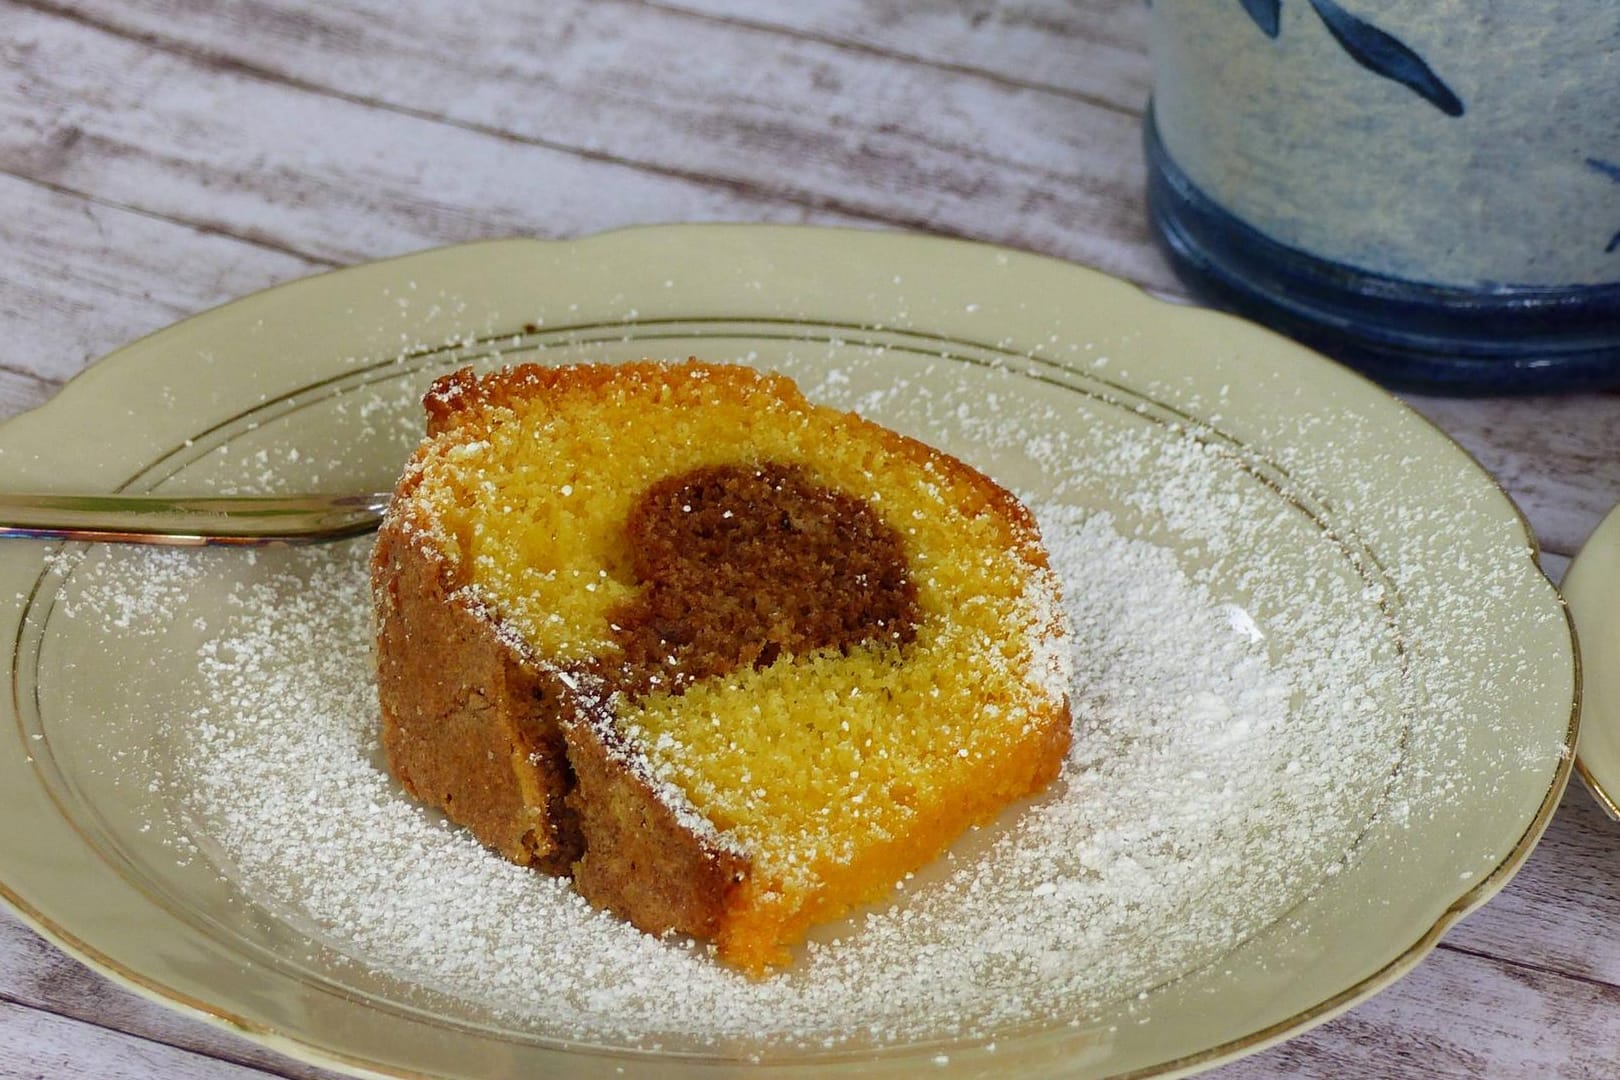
158	157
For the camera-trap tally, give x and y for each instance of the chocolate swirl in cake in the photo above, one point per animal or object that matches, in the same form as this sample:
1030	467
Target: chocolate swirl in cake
739	565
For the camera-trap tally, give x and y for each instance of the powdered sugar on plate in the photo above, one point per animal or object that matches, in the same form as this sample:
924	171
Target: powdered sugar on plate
1204	796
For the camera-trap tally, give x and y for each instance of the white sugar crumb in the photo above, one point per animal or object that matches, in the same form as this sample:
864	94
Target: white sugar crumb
1172	812
127	604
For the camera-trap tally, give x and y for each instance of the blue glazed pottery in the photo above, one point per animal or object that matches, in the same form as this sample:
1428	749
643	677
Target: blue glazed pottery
1430	192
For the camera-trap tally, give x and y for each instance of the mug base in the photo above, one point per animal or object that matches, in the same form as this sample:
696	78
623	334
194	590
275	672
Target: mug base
1409	335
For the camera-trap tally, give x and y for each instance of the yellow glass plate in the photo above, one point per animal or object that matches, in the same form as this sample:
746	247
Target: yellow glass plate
1592	585
1361	508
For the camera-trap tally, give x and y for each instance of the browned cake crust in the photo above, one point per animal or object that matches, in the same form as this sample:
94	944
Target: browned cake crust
467	725
519	752
474	728
641	860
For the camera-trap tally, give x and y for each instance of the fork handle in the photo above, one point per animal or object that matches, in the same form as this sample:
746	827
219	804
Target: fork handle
191	521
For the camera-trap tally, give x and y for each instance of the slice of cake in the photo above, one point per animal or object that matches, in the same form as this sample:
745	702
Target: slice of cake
734	661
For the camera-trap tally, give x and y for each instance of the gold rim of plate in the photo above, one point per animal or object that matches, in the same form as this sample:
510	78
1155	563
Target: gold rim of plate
1592	587
288	343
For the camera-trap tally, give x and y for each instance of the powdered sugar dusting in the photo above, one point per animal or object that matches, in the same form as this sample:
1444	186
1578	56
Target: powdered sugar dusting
1183	778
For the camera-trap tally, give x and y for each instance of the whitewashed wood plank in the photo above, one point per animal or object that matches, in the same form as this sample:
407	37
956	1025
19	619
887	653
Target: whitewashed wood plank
21	390
1559	457
1458	1017
760	117
1094	50
83	278
331	180
35	975
38	1044
37	978
1562	911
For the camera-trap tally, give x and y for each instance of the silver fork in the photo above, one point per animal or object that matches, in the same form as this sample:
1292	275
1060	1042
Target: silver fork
251	520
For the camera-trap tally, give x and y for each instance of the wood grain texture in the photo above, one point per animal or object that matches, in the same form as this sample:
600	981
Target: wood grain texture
1458	1018
1093	51
37	1045
227	150
928	148
1561	912
367	157
84	278
36	976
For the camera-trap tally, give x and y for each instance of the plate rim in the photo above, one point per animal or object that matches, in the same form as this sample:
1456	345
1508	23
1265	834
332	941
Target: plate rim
1605	788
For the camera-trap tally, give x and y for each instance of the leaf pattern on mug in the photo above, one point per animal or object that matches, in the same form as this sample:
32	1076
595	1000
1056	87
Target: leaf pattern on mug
1377	51
1267	15
1612	171
1385	55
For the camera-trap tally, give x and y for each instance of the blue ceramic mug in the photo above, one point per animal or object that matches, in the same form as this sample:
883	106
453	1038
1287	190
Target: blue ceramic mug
1430	191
